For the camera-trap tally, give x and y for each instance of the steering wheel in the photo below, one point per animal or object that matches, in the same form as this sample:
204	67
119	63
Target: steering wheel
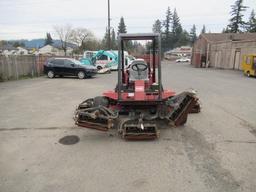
139	67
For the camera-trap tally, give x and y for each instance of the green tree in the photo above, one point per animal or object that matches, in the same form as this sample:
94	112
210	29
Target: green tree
203	30
93	44
122	26
48	40
192	34
2	43
236	20
18	44
122	29
167	21
167	33
157	26
184	39
225	30
113	39
104	42
251	25
176	28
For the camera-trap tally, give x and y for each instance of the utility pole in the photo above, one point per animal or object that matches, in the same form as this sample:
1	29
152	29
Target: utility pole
109	43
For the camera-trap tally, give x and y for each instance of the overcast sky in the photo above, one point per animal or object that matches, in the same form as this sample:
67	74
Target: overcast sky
30	19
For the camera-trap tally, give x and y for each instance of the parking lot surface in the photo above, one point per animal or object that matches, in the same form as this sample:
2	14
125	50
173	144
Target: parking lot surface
214	152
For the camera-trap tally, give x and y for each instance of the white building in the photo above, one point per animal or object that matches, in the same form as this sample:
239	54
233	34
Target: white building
52	50
183	51
8	50
21	51
49	50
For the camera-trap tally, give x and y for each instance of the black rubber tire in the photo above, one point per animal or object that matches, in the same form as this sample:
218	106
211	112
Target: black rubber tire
81	75
50	74
99	67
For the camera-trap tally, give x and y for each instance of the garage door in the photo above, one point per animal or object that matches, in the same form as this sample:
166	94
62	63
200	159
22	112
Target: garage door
218	59
237	60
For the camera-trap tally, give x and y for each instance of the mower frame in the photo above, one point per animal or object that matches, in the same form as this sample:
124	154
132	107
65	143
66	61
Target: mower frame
156	44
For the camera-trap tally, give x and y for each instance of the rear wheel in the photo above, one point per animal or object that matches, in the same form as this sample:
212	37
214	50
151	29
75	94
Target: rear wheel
81	75
99	67
50	74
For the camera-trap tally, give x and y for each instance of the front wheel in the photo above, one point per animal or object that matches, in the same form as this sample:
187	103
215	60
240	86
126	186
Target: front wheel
50	74
81	75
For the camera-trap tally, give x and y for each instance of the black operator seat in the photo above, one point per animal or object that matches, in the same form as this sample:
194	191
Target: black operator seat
138	70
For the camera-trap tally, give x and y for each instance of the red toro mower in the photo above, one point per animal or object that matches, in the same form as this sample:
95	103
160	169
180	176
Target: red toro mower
139	100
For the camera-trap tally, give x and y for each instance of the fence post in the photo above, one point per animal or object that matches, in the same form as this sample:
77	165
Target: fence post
37	59
16	67
8	67
33	69
2	68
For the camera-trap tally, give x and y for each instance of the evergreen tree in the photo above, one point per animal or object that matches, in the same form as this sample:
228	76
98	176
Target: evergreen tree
48	40
104	42
203	30
157	26
122	29
113	39
236	21
225	30
192	34
18	44
176	28
251	25
184	39
167	33
2	43
167	22
122	26
93	44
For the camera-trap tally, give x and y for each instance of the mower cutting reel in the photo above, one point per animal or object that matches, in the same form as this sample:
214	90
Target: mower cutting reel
139	100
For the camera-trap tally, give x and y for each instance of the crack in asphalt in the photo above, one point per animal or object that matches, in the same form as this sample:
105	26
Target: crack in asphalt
253	132
251	127
233	141
201	156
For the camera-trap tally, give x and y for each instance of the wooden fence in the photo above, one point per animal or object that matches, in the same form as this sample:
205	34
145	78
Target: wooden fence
20	66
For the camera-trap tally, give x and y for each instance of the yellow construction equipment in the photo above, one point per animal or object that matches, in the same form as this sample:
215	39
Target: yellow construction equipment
249	65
